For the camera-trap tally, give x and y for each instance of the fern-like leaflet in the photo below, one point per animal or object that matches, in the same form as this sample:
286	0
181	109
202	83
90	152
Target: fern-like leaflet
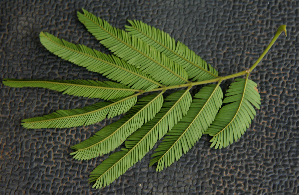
81	116
140	142
106	90
196	67
111	136
189	130
134	51
109	65
234	118
146	60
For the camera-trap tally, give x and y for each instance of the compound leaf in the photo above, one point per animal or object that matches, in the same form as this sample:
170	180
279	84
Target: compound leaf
134	51
111	136
109	65
141	141
196	67
189	130
81	116
106	90
235	117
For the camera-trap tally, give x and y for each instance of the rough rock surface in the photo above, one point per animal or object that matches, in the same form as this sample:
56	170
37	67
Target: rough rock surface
230	36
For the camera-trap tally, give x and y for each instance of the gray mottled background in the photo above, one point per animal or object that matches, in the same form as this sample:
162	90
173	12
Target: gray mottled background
228	34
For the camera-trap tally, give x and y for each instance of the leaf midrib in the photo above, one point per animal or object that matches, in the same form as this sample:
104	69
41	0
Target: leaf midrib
76	51
122	124
89	86
86	112
147	132
177	54
140	51
191	122
243	93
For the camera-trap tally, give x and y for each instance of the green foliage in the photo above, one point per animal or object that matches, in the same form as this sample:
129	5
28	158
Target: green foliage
81	116
106	90
197	68
111	136
145	60
189	130
134	51
109	65
234	118
141	141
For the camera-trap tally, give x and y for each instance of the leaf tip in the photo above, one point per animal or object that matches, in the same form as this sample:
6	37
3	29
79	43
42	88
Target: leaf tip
42	34
283	28
79	13
5	82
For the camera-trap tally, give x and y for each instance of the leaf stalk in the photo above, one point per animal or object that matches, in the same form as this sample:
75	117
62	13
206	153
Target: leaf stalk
281	29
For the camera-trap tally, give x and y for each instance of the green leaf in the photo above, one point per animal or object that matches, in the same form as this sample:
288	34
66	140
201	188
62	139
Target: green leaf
135	51
111	136
106	90
81	116
109	65
196	67
141	141
189	130
234	118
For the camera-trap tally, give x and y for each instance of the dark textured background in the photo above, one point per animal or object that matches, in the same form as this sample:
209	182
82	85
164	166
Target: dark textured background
230	35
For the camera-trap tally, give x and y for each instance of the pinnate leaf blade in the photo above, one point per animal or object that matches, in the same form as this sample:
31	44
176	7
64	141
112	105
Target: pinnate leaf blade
134	51
81	116
106	90
189	130
109	65
111	136
235	117
196	67
141	141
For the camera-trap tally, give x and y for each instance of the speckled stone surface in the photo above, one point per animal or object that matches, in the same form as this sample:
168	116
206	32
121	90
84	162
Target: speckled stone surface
230	35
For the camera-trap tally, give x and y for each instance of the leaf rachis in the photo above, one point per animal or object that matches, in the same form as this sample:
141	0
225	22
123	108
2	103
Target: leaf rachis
145	60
